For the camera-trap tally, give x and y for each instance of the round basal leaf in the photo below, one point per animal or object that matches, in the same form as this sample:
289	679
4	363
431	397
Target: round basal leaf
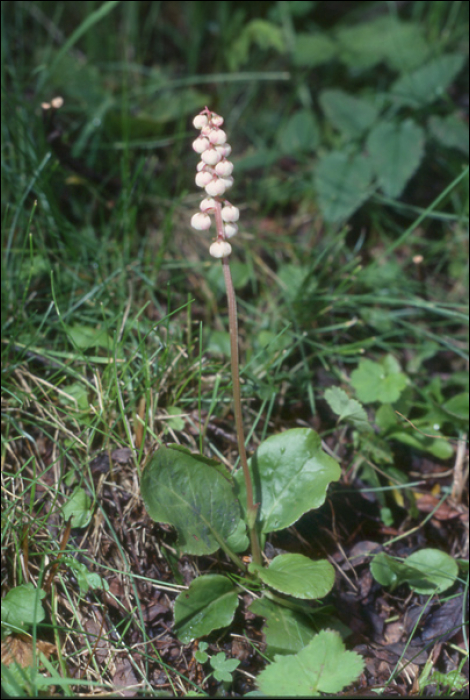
22	606
323	666
385	569
438	568
298	576
290	475
209	603
193	494
78	507
374	381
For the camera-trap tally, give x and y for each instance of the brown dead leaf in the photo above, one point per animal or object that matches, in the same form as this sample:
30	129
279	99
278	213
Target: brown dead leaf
19	648
426	503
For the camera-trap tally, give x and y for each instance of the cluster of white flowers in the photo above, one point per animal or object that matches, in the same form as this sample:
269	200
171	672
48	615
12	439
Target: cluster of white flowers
214	174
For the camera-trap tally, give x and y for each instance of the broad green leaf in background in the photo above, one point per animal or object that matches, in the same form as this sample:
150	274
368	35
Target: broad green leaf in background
297	576
426	571
399	44
375	381
313	49
79	507
347	409
208	604
323	666
451	131
290	474
396	150
192	493
458	406
349	114
429	82
258	32
300	134
342	182
85	337
22	607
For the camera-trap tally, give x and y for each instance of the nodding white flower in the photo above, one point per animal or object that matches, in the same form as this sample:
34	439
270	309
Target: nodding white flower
200	121
230	213
220	249
217	137
215	188
201	221
201	144
211	157
203	178
214	174
207	204
230	230
224	168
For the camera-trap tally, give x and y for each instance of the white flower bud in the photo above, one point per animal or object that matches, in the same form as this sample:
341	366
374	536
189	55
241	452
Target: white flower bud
203	178
220	249
217	137
200	121
224	168
228	182
207	204
215	188
224	150
230	230
217	120
201	222
211	157
230	213
201	144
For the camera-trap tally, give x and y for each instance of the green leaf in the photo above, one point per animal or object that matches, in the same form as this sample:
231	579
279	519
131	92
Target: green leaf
347	409
298	576
323	666
428	83
313	49
193	494
22	607
258	32
301	133
86	579
451	131
223	667
86	337
286	631
343	182
349	114
426	571
400	44
208	604
79	508
375	381
290	475
396	150
458	406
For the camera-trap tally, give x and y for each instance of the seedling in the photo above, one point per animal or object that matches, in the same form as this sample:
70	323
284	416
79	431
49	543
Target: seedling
212	508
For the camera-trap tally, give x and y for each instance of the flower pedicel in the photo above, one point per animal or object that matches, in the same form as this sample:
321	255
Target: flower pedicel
214	174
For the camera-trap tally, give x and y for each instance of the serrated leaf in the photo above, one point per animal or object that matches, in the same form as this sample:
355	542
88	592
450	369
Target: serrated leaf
298	576
343	182
429	82
193	494
349	114
323	666
291	473
301	133
375	381
396	150
451	131
208	604
347	409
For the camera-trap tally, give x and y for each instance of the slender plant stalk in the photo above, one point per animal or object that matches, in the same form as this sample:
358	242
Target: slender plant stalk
251	507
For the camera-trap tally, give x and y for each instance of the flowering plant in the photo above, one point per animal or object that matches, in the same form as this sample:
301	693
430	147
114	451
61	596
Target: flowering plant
212	508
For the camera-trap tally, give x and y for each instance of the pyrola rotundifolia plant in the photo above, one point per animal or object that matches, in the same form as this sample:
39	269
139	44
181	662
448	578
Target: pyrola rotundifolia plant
213	508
